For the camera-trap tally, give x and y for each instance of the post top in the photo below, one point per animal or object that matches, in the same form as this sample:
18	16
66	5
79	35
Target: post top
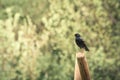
80	55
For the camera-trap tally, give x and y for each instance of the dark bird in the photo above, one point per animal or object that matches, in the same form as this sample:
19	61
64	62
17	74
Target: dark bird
80	42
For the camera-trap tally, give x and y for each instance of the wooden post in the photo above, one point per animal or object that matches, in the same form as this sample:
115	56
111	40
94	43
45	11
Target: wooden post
77	75
81	68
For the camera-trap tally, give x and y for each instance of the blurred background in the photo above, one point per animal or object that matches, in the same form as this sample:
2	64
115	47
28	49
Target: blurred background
37	38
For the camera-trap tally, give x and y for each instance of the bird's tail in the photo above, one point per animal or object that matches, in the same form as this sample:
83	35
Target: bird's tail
86	48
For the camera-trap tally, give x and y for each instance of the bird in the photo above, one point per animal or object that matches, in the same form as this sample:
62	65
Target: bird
80	42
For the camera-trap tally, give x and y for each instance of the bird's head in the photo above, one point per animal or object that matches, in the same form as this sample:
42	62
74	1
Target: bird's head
77	35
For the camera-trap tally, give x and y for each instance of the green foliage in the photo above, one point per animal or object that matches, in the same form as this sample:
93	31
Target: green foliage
37	38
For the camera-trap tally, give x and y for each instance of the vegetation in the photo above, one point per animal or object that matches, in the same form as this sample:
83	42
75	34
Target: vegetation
37	38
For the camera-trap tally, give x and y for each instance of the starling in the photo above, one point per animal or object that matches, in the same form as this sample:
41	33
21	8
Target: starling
80	42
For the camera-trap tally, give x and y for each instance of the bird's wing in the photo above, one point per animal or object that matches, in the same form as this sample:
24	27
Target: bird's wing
85	46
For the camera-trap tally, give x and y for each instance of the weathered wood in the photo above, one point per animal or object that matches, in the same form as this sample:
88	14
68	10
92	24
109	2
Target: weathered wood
81	67
77	75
